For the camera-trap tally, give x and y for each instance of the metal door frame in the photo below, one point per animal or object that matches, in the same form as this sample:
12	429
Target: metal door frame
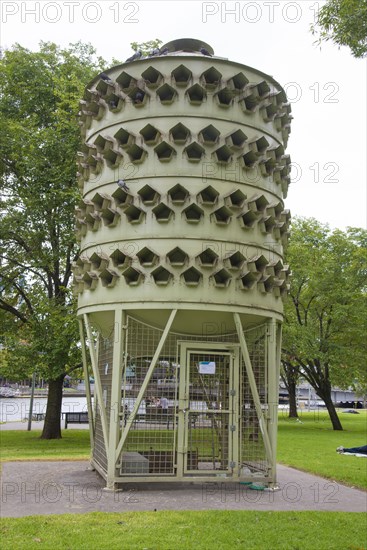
186	348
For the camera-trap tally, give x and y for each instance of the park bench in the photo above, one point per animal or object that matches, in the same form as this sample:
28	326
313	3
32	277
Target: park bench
75	418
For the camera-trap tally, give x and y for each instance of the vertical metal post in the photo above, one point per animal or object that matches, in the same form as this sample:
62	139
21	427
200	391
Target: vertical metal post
273	392
117	362
31	403
87	384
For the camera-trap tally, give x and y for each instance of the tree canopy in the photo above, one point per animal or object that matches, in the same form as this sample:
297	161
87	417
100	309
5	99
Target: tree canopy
324	332
344	22
39	102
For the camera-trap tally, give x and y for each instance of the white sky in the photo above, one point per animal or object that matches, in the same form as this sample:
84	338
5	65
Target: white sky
327	87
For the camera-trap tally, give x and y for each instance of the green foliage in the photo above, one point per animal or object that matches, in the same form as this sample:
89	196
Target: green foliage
345	23
39	102
146	47
325	321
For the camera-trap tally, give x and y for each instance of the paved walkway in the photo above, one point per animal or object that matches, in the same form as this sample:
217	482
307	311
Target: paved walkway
30	488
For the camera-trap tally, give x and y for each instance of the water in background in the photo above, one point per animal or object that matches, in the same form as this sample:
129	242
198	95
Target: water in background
17	409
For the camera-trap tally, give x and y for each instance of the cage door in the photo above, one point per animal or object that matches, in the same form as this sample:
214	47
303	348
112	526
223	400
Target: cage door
209	416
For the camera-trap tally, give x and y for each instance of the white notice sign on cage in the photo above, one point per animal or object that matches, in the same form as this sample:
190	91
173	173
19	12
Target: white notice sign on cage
207	367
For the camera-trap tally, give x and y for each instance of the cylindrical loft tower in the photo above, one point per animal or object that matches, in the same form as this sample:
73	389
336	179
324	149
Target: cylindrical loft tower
180	277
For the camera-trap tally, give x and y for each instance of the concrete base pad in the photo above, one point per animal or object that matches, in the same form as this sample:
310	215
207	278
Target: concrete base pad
30	488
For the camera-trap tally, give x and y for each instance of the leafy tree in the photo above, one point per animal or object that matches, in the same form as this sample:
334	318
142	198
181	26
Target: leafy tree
345	23
39	95
324	332
146	47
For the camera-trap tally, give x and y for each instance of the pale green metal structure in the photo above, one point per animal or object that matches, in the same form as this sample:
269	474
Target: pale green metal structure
180	277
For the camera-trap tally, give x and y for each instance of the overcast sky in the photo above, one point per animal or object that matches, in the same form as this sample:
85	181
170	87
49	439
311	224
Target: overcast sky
326	87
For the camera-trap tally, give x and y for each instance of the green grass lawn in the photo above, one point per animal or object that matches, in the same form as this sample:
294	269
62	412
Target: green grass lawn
208	530
311	446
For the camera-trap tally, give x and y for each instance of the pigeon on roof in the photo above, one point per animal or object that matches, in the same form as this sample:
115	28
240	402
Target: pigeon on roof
204	51
105	77
137	55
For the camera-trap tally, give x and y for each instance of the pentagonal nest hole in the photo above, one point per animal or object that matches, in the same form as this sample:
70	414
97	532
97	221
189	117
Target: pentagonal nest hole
119	259
263	88
180	133
224	97
208	196
110	217
134	214
196	94
164	152
148	195
90	280
138	96
257	203
249	159
178	194
147	257
108	277
98	261
236	199
236	140
181	75
259	145
161	275
150	134
126	82
223	154
112	157
102	143
236	260
93	220
248	280
152	77
260	262
222	216
191	276
248	219
177	257
101	200
122	198
211	77
194	152
162	212
267	224
125	138
207	258
166	94
132	276
221	278
249	103
209	135
193	214
238	82
115	102
136	154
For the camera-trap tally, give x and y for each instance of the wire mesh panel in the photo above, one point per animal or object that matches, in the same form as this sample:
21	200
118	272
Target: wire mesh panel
105	357
252	449
210	412
150	443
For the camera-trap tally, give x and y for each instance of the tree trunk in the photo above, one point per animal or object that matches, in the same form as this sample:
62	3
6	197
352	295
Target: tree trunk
292	386
52	426
326	396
